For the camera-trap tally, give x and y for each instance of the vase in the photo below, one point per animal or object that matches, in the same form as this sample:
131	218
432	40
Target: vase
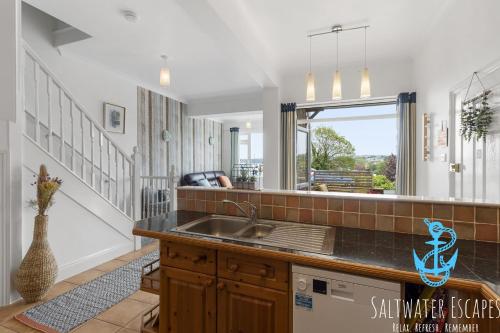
38	270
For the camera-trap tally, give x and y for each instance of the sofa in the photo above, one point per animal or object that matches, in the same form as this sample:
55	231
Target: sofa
192	179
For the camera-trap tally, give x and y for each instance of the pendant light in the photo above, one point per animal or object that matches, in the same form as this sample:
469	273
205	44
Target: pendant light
164	73
310	90
337	81
365	78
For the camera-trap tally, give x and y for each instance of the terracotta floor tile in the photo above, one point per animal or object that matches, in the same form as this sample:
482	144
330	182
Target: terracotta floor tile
110	265
9	311
145	297
85	276
95	325
136	323
123	313
129	330
6	330
17	326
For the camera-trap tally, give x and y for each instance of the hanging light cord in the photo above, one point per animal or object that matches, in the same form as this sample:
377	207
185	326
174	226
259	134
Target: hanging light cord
470	85
365	47
337	51
310	54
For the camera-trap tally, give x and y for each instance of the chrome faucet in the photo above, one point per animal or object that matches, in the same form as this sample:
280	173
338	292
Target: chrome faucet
252	215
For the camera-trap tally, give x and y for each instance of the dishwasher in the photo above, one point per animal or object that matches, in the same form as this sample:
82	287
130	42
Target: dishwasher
326	301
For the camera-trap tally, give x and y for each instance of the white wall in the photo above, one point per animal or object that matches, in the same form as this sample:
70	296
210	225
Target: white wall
10	149
465	39
90	83
388	78
245	102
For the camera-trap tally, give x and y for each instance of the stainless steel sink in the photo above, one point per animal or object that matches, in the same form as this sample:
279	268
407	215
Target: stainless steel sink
295	236
216	226
258	231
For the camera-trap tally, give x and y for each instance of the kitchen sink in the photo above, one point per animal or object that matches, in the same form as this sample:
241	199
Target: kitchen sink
257	231
288	235
216	226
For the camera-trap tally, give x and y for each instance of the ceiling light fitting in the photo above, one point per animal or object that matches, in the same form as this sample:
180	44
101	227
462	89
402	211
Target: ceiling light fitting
365	90
130	15
164	73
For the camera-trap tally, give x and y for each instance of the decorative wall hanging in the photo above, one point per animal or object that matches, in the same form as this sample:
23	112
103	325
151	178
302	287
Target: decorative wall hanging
476	115
114	118
426	128
443	134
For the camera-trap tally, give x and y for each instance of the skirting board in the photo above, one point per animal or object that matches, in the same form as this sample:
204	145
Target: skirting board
92	260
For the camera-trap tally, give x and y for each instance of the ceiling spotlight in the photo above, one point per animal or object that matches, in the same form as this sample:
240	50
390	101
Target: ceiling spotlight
130	15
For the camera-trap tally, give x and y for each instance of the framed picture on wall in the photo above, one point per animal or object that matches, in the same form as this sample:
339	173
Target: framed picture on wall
114	118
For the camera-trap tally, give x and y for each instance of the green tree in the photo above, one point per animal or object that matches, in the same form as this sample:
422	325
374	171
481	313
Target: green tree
381	181
331	151
390	167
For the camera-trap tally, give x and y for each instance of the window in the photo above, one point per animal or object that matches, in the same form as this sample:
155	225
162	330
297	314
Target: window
251	148
354	148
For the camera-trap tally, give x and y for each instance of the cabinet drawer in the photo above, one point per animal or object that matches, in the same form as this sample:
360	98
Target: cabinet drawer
192	258
254	270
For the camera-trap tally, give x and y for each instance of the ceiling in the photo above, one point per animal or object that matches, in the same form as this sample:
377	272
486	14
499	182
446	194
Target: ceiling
222	47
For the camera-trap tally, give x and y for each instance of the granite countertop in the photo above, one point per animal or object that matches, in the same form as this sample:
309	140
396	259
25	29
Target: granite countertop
477	261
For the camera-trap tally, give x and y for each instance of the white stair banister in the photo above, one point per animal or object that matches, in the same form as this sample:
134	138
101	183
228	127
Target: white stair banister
35	72
136	183
173	188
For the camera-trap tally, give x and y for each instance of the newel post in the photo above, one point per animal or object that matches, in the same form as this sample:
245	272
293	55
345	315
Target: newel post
136	192
172	182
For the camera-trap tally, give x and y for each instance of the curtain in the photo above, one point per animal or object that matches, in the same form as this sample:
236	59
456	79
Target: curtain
235	148
406	162
288	146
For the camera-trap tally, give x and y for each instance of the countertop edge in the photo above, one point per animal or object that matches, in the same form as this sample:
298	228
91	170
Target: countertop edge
325	263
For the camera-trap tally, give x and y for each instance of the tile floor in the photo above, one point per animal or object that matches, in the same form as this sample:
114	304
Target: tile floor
124	317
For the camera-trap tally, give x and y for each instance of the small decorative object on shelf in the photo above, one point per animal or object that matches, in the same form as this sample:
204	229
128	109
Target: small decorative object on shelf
247	176
426	127
38	270
476	116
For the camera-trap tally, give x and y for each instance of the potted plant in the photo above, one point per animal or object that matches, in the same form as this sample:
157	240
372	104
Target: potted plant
38	270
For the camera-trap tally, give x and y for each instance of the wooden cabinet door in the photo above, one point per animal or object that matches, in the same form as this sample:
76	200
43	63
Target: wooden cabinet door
243	308
187	302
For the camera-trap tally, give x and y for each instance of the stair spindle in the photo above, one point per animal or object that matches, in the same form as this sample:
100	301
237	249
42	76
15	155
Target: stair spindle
92	164
101	180
124	188
50	138
72	120
82	130
37	104
116	176
61	125
109	169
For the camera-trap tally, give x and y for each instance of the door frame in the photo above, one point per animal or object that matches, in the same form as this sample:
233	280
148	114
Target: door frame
306	130
452	126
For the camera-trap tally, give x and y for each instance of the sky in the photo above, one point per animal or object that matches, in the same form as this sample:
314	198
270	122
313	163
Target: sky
369	137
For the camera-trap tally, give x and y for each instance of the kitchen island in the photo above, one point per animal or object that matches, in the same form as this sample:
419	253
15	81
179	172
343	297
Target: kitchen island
215	274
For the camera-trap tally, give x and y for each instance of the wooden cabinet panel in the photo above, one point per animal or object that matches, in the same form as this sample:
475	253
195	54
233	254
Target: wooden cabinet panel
192	258
187	302
243	308
254	270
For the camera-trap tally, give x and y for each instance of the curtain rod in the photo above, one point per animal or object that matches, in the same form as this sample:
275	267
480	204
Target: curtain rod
347	102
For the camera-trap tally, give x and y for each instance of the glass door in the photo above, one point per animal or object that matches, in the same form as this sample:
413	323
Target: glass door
303	160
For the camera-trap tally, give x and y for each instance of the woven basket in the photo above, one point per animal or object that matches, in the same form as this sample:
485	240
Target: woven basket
38	270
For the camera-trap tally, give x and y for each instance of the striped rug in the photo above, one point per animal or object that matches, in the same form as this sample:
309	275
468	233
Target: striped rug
73	308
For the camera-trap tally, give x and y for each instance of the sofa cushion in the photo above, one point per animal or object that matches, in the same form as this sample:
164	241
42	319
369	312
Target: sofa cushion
225	182
204	183
192	179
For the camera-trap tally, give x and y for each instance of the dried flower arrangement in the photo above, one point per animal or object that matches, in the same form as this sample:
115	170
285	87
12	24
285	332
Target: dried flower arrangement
46	187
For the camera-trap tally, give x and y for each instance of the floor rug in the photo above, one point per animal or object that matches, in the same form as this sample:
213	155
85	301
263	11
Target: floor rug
73	308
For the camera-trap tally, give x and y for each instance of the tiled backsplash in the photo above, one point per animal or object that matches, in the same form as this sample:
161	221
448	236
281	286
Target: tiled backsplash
479	222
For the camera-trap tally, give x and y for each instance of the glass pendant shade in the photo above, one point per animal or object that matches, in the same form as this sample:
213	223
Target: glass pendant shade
164	76
337	86
311	91
365	84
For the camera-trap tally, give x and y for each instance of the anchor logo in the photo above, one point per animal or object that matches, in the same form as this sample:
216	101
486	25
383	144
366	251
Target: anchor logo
441	268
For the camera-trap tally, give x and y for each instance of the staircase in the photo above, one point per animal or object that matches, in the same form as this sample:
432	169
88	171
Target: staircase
103	192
